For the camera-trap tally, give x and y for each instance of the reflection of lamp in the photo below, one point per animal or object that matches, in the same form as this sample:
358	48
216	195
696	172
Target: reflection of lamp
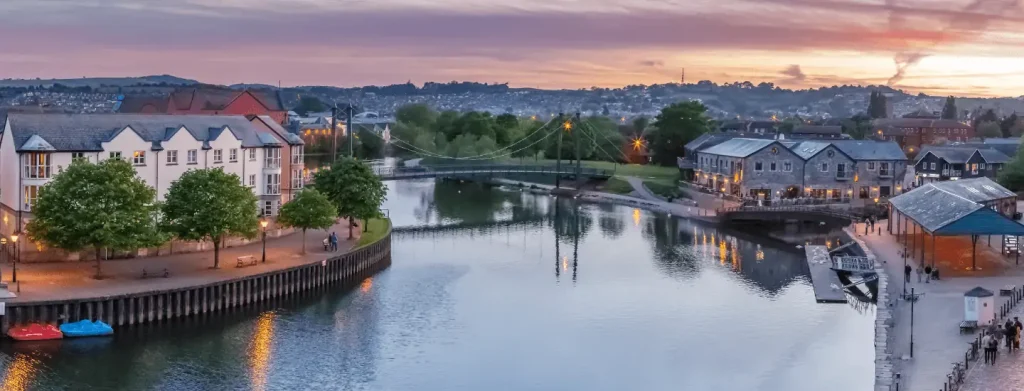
263	225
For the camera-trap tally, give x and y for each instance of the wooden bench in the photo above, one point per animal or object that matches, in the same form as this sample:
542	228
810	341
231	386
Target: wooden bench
245	260
146	274
1006	291
968	326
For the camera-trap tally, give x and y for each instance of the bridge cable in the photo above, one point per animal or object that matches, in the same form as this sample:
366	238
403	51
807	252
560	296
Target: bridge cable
423	152
598	145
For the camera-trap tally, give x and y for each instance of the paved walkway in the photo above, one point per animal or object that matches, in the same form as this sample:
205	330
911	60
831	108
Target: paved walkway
1006	374
937	340
68	280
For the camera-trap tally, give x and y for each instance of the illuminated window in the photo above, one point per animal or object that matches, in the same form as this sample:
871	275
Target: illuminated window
37	165
31	195
139	158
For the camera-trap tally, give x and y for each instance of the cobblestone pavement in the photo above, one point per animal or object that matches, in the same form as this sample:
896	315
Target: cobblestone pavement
69	280
1006	374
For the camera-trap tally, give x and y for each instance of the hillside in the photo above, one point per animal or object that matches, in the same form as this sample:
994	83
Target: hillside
99	81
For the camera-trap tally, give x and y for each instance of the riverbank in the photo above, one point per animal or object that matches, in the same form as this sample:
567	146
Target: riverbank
59	292
653	204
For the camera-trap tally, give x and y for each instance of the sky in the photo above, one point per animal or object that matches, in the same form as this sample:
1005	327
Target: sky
941	47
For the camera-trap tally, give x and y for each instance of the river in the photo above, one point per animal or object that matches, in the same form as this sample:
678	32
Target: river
523	292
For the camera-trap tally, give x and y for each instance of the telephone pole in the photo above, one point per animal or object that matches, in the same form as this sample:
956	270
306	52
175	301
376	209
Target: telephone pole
576	136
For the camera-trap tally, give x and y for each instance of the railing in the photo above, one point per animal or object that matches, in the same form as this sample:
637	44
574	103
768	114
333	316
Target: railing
827	211
426	171
956	377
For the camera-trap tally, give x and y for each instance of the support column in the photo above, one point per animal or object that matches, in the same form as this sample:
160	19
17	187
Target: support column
974	252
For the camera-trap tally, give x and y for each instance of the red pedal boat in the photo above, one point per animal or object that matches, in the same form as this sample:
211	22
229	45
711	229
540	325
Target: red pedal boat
35	332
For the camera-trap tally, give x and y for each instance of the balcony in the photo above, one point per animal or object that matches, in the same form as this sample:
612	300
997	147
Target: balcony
952	173
844	175
885	173
272	163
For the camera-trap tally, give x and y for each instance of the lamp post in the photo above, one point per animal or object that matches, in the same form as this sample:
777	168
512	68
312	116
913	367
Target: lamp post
263	226
17	249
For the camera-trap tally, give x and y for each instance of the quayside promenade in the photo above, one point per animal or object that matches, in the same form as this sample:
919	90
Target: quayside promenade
67	291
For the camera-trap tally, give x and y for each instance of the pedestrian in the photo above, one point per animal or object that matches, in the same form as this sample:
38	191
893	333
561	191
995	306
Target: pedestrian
920	273
927	274
334	242
1011	334
1018	327
986	346
906	272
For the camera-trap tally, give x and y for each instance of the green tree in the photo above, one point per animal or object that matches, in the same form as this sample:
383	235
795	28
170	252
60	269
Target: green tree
210	204
102	206
368	144
1012	176
989	130
416	114
877	105
640	124
309	104
1007	125
353	188
310	209
949	109
675	126
605	134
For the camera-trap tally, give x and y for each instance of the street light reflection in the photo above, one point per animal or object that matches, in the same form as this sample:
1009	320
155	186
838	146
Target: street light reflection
260	350
636	217
20	373
366	285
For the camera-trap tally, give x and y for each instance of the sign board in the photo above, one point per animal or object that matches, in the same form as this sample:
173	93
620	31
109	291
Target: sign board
323	263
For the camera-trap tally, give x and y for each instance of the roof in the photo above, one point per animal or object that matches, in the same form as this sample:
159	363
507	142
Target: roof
1008	149
975	189
993	156
956	155
87	132
817	129
919	123
953	208
807	149
739	147
1000	140
289	137
870	149
978	292
197	99
708	140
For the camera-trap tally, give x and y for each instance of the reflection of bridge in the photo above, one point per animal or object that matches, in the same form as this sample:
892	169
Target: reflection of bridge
486	171
462	228
786	213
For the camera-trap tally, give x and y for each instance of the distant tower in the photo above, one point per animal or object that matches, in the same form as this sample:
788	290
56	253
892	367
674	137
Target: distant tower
682	78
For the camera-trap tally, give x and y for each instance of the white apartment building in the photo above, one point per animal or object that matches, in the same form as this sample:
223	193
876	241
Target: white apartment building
162	147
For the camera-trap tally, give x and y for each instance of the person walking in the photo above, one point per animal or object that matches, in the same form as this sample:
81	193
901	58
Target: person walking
927	274
1018	327
334	242
920	274
986	346
906	272
1011	335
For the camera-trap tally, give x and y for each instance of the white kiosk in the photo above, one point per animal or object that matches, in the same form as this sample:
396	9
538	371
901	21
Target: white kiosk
979	306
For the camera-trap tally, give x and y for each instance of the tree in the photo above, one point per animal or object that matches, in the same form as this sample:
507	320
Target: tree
210	204
310	209
1007	125
877	105
368	144
676	125
640	124
103	206
989	130
309	104
949	110
416	114
353	188
1012	176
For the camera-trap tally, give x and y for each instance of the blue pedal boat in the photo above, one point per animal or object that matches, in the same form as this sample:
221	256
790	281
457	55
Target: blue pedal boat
86	328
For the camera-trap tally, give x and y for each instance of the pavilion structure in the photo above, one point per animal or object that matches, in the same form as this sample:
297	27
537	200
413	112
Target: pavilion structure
965	208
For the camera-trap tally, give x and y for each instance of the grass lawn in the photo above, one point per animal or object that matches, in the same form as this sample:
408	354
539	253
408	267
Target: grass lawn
617	186
376	228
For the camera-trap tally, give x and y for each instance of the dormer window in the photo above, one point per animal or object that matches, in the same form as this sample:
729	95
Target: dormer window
37	165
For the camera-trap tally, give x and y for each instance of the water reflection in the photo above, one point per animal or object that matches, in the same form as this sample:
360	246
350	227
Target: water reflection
260	350
19	373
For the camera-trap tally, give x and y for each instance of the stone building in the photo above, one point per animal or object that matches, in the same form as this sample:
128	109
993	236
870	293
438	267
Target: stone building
943	163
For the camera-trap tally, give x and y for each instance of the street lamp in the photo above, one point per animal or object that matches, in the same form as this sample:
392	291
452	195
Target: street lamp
263	225
17	248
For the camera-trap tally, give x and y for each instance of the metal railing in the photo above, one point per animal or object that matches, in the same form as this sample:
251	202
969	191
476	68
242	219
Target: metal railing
434	171
822	210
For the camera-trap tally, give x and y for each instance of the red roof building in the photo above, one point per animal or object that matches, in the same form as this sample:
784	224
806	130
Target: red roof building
912	133
210	100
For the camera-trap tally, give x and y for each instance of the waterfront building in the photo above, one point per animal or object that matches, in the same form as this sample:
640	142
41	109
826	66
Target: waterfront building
913	133
209	100
817	132
942	163
860	172
35	147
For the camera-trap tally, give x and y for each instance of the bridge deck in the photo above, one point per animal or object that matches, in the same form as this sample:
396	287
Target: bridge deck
824	280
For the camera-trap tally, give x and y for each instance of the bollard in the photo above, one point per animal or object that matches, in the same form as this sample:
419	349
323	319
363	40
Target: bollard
966	359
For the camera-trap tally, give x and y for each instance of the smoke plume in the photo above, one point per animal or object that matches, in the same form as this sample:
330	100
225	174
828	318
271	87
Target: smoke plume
975	19
794	73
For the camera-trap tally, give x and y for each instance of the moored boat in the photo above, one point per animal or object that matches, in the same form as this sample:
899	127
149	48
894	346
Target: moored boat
35	332
86	328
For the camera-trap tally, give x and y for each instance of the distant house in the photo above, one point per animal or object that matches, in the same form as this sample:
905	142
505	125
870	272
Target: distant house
210	100
942	163
913	133
817	131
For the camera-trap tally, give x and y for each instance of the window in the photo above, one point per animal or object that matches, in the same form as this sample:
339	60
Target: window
932	164
172	157
37	165
252	180
296	179
758	166
139	158
273	159
841	170
871	166
772	166
268	208
31	195
193	156
864	192
787	166
115	155
981	166
273	184
298	153
252	154
884	191
79	156
233	155
883	169
218	155
824	167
